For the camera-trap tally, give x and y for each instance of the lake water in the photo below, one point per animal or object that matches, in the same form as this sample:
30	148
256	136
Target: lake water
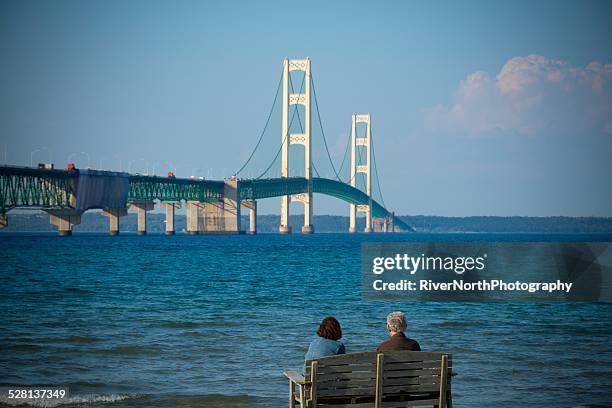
214	320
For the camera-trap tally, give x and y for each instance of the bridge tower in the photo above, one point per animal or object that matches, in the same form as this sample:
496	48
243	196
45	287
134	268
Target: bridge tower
288	139
365	141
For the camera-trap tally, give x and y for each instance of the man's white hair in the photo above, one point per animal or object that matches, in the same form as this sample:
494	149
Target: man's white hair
397	322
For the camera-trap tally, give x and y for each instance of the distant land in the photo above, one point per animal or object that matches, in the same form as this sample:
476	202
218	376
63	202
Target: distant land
95	222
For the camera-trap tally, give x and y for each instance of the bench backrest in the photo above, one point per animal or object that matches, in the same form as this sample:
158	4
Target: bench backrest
376	376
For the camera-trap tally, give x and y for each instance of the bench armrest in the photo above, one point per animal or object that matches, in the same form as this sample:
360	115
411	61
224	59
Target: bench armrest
295	377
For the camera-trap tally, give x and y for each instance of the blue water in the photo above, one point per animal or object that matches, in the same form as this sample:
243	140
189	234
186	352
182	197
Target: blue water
214	320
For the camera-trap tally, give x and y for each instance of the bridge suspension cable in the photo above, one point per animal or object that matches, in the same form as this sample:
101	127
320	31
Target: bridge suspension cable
314	92
314	168
286	136
382	200
280	81
348	145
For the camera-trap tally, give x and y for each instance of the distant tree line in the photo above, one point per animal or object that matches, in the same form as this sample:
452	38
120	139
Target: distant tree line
95	222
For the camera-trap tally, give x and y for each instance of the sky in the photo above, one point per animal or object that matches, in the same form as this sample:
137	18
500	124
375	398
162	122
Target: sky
478	107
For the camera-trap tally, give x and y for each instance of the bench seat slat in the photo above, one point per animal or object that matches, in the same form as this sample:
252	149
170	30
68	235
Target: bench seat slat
400	356
400	389
412	365
345	368
345	376
412	373
385	404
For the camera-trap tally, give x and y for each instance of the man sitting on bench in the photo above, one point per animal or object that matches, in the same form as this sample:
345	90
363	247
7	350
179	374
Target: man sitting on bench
396	324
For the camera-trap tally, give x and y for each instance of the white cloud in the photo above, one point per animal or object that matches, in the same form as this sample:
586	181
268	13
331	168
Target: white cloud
530	95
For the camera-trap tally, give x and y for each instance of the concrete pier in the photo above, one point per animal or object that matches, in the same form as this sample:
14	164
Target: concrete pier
212	220
142	207
352	219
378	225
307	229
113	215
170	208
223	217
193	209
231	208
253	219
368	218
64	220
251	205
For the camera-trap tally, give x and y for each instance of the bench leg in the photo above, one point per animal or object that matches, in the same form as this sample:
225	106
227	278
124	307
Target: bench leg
302	398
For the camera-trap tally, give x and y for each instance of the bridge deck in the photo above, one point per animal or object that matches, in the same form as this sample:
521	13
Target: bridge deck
57	189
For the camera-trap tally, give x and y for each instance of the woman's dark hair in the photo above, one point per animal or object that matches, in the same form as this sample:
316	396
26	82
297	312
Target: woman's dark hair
330	329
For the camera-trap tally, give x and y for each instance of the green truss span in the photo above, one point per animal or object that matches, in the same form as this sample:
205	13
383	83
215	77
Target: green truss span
174	189
266	188
27	187
57	189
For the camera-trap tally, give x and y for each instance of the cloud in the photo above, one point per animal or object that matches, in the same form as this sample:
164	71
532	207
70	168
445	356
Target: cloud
530	95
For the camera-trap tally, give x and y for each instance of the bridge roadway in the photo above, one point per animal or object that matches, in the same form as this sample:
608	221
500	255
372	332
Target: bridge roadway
65	195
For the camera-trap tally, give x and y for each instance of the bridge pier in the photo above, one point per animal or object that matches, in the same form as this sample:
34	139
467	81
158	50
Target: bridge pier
212	219
142	207
170	207
193	216
308	229
284	227
352	219
113	215
223	217
252	207
306	199
368	217
378	225
64	220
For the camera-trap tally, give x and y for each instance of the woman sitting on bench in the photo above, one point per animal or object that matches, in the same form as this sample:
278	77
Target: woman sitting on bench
326	343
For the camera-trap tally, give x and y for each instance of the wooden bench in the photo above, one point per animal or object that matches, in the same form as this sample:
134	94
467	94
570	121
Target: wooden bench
392	379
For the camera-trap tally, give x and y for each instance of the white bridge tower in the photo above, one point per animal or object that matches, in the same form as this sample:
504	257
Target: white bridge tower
288	139
365	141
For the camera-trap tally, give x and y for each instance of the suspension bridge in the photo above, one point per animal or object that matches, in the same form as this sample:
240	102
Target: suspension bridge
215	206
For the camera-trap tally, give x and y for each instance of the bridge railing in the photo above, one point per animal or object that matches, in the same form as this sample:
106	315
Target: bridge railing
174	189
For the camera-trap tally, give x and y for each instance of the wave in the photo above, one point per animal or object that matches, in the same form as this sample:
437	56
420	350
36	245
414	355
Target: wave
79	291
82	340
172	324
193	334
206	400
72	400
214	400
127	350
